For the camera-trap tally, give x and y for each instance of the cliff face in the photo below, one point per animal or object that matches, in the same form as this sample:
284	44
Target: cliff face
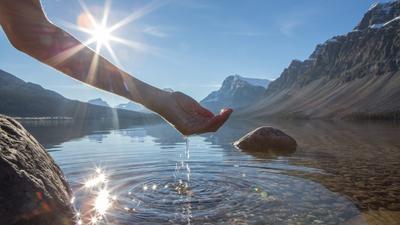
352	75
236	92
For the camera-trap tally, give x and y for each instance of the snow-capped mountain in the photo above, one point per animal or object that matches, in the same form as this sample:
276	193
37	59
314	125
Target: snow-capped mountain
99	102
236	92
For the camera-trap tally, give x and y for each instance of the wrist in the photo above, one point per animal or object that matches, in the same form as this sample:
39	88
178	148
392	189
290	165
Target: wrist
157	100
151	97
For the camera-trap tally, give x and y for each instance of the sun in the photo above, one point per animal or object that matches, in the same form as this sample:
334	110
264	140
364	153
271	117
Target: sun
98	31
101	34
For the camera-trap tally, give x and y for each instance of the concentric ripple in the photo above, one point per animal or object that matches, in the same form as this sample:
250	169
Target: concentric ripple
220	193
151	185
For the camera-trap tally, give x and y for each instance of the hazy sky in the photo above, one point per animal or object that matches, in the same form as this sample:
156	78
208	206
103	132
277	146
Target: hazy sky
192	46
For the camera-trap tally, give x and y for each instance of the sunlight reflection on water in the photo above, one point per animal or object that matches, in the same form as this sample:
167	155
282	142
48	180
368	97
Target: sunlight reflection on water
96	192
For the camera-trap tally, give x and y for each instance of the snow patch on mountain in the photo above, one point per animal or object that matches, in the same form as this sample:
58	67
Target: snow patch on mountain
380	25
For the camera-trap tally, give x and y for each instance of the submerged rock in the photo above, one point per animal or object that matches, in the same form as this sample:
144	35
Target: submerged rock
33	189
268	140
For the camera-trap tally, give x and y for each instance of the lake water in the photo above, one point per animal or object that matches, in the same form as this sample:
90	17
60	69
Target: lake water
127	173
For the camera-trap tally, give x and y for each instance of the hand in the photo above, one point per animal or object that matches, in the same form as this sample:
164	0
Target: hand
189	117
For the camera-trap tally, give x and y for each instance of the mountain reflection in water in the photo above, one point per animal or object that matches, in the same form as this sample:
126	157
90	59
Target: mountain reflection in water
341	173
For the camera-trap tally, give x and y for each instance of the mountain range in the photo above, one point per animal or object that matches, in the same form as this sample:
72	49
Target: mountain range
24	99
355	75
236	92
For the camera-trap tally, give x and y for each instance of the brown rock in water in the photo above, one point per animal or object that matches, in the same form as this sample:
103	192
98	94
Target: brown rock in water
267	139
33	189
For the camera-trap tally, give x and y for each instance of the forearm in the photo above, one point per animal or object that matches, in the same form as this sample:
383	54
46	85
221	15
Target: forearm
81	63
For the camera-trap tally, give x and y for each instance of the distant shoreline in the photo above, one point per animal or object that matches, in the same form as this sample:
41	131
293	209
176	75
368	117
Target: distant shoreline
43	118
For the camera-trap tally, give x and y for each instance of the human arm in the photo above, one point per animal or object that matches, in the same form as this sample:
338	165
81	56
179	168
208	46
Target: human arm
28	30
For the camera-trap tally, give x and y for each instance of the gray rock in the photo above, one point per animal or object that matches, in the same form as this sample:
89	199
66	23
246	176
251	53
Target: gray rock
33	189
267	139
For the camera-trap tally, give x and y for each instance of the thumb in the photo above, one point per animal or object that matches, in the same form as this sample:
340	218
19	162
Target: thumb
220	119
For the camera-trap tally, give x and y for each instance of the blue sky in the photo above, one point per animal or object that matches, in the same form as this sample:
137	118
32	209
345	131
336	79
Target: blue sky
191	46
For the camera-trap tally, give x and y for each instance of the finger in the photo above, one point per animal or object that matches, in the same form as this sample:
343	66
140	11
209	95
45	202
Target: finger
220	119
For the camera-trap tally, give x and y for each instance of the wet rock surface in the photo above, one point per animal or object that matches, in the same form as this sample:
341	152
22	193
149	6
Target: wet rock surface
33	189
268	140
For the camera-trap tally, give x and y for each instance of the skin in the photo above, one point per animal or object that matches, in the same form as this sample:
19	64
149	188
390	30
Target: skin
29	31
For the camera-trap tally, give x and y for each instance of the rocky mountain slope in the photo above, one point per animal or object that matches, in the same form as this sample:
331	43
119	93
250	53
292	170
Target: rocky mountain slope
356	75
236	92
23	99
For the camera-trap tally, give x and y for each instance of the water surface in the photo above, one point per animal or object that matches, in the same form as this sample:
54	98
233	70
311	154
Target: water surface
341	173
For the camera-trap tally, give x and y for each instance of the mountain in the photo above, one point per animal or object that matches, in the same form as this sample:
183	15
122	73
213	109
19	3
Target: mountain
99	102
236	92
23	99
356	75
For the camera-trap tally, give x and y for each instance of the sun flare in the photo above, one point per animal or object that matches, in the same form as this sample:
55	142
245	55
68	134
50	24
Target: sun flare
102	35
99	32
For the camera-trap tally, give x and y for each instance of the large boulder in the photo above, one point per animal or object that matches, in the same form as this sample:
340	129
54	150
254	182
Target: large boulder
33	189
268	140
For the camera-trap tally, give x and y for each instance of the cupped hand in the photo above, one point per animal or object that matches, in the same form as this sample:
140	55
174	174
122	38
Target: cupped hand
189	117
